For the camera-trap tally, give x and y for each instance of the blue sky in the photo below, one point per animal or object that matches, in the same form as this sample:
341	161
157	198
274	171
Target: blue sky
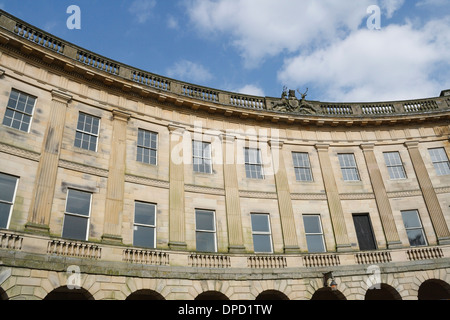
259	46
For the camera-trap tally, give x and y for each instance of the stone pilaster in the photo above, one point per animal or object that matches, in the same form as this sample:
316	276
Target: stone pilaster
44	189
116	179
429	195
334	202
232	200
381	198
177	224
284	198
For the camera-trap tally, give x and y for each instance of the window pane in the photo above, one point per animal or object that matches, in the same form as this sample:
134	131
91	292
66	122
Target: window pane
315	243
312	224
75	227
411	219
140	137
262	243
205	241
144	237
204	220
144	213
78	202
438	155
5	210
416	237
7	187
442	168
260	223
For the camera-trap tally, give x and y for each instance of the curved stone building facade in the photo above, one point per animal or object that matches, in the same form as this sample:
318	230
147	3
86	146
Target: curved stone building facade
116	183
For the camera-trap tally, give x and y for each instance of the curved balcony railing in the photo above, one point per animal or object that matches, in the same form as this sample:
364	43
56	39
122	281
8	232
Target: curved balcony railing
85	58
12	241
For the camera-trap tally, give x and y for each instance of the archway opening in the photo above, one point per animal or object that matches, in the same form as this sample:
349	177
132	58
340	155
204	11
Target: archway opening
328	294
212	295
3	295
434	289
64	293
382	292
272	295
145	295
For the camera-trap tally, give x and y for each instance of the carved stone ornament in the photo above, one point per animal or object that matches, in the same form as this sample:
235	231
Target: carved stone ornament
290	103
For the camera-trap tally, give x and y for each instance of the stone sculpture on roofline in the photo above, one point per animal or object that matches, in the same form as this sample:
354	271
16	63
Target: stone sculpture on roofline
290	103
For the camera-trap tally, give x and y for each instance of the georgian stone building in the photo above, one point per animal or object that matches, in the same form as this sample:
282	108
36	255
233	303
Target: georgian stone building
116	183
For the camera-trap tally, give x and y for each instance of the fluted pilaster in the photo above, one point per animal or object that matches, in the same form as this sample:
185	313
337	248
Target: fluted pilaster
381	198
177	225
334	202
429	195
116	179
284	198
44	189
232	200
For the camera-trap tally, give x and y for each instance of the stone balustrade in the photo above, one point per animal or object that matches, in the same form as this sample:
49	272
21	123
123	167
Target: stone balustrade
19	28
41	245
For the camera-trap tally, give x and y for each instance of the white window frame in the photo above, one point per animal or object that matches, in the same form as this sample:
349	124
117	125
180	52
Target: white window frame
88	218
297	173
214	231
21	112
345	167
415	228
399	168
91	134
145	225
315	234
446	160
257	164
266	233
11	204
202	158
147	147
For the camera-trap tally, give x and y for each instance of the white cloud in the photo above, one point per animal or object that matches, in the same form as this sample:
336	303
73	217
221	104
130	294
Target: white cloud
390	6
325	44
142	9
432	3
264	28
398	62
172	22
251	90
189	71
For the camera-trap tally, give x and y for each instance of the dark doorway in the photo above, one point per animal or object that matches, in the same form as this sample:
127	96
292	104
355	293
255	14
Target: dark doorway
382	292
3	295
145	295
64	293
434	289
272	295
212	295
364	232
327	294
